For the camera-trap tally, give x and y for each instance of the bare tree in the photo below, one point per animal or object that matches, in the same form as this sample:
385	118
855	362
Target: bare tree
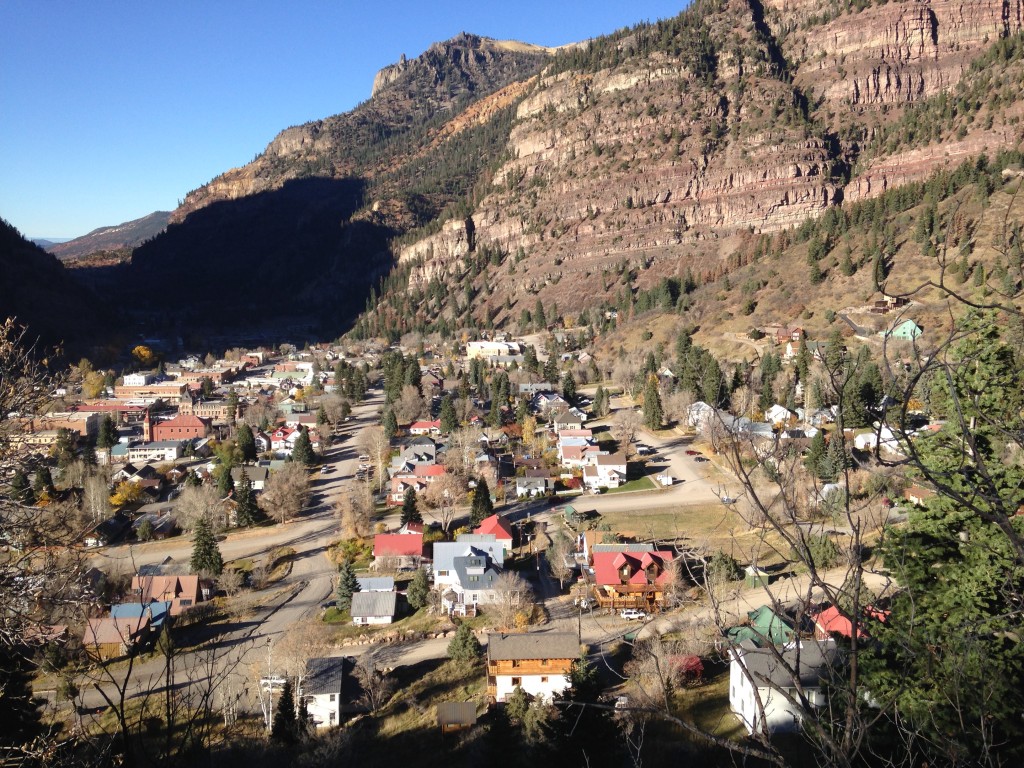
443	495
558	558
377	445
286	492
354	508
200	501
409	405
677	405
624	428
376	686
512	598
463	448
96	497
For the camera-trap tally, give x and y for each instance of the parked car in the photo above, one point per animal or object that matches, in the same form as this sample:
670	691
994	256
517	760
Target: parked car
629	614
582	602
728	500
691	452
701	459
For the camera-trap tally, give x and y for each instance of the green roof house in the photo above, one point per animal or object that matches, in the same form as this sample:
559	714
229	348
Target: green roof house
908	330
763	627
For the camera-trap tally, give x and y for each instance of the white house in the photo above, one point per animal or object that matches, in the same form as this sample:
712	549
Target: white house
374	607
322	690
162	450
607	471
537	662
759	679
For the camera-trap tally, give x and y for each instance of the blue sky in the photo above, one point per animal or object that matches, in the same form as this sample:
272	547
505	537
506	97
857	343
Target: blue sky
112	110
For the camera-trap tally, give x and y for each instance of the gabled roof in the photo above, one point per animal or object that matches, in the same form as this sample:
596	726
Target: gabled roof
374	603
376	583
164	588
811	660
324	675
110	630
765	627
608	566
533	645
497	525
398	545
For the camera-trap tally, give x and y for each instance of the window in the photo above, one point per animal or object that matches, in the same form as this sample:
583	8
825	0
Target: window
330	716
543	679
333	696
442	573
517	681
186	603
516	663
545	662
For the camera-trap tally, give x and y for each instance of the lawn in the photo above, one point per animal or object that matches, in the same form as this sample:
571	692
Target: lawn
707	705
420	621
639	484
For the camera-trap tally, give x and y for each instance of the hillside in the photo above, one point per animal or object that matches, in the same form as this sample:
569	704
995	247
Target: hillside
121	236
657	150
56	308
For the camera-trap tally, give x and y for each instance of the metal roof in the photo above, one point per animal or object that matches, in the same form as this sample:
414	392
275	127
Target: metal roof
533	645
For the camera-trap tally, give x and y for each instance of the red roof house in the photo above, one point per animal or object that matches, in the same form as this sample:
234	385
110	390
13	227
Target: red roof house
405	549
500	528
831	621
632	579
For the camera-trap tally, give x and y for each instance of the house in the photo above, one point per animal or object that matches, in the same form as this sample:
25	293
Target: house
419	477
781	416
425	427
566	420
264	443
182	592
605	471
537	662
532	487
918	495
376	584
487	543
257	476
160	451
763	627
399	550
830	621
908	330
107	532
373	607
109	638
763	687
156	612
161	523
182	427
547	403
466	577
321	689
456	716
625	579
500	528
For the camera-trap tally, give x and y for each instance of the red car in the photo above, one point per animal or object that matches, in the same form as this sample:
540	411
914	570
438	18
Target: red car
693	453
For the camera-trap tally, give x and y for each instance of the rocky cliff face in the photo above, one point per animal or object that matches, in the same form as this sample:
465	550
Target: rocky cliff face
651	162
409	100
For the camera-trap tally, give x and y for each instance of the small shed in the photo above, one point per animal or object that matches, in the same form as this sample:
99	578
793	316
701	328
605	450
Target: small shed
374	607
456	715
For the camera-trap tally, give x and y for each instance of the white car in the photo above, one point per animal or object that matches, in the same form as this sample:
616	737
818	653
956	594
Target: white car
632	613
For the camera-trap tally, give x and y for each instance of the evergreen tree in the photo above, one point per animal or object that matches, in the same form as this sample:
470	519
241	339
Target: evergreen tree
835	461
43	482
482	507
206	557
816	452
464	647
248	510
107	436
303	450
410	512
600	405
418	591
246	442
225	483
654	415
449	422
285	727
348	585
192	480
389	422
551	369
569	387
21	489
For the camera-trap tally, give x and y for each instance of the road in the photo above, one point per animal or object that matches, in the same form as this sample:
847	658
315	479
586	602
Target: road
308	585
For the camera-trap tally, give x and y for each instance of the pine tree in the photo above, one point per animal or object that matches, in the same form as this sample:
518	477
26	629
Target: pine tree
248	510
389	422
654	415
464	646
303	450
284	729
225	483
348	585
482	507
108	433
206	557
551	370
816	452
418	591
449	422
246	442
410	512
835	461
569	387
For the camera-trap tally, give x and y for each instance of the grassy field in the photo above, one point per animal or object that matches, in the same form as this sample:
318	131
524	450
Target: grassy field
639	484
420	621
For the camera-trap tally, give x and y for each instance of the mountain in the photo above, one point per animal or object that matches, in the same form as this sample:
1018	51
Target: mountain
46	242
297	238
56	308
494	175
122	236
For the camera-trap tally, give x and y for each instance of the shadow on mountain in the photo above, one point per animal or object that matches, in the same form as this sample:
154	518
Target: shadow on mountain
288	260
